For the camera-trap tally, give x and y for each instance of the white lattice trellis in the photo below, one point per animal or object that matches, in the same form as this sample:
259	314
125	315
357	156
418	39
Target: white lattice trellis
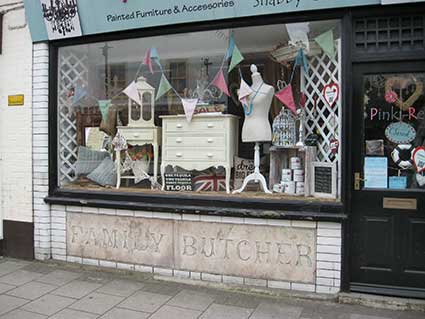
320	117
73	70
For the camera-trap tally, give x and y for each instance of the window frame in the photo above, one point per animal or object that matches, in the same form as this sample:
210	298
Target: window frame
186	202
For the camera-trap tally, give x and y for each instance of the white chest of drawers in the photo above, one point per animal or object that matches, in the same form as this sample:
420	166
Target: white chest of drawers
209	140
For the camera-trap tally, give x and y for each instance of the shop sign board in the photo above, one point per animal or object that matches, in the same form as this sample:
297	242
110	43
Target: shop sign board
253	251
100	16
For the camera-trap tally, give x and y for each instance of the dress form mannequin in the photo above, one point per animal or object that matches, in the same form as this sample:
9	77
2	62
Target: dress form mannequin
256	127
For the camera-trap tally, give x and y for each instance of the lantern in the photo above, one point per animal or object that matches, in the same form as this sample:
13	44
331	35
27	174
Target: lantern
142	115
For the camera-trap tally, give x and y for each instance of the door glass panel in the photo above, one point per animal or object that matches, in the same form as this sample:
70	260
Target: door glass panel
394	131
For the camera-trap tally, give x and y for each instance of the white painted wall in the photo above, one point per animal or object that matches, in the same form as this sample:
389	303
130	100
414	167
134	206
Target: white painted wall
15	121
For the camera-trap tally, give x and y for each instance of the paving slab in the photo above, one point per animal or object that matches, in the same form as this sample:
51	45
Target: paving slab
97	303
216	311
145	301
8	303
120	313
77	289
59	277
276	311
123	288
74	314
20	277
192	299
22	314
48	304
8	266
5	287
32	290
168	312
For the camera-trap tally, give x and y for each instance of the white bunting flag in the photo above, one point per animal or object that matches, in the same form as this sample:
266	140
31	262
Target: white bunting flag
132	93
244	91
189	106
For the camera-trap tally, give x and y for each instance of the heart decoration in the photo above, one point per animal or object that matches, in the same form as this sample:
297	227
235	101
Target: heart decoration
392	97
418	158
331	94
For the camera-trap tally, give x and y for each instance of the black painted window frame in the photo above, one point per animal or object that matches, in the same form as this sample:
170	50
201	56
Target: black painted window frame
198	204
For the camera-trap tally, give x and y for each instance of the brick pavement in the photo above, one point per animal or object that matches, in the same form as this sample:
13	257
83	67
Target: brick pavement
36	290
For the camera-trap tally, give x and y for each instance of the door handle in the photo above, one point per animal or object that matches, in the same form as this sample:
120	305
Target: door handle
357	180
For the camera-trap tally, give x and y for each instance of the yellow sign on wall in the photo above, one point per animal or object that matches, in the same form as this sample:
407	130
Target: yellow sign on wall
16	100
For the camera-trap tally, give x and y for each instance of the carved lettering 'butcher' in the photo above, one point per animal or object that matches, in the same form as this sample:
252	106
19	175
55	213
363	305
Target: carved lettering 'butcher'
257	252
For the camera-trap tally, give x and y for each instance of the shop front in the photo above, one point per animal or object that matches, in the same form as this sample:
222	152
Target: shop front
257	143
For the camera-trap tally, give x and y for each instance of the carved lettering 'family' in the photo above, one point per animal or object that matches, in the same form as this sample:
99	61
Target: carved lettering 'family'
278	253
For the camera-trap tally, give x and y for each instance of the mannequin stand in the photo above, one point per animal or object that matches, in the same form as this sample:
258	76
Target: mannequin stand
256	176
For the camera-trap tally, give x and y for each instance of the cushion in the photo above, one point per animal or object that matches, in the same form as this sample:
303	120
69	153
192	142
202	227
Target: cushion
105	174
88	160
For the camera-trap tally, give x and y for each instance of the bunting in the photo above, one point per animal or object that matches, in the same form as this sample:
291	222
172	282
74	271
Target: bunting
326	42
244	91
155	56
164	87
287	98
236	58
189	106
301	60
132	93
220	82
79	93
230	47
147	60
104	106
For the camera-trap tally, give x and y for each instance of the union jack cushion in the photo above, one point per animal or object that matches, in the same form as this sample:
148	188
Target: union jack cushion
211	183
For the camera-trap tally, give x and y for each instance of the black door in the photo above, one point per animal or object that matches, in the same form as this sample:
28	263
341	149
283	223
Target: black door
388	193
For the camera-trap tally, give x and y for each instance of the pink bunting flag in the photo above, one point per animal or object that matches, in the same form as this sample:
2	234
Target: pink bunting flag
147	60
189	106
287	98
132	93
220	82
244	91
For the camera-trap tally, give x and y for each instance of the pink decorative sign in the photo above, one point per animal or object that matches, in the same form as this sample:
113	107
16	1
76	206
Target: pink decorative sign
331	94
418	158
334	145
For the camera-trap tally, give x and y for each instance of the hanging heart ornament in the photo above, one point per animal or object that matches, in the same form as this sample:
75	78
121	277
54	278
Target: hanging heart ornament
418	158
331	94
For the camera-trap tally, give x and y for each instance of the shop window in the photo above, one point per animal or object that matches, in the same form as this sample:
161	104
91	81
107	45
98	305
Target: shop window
247	112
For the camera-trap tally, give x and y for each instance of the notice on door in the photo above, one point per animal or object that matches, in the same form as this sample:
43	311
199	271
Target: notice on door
376	172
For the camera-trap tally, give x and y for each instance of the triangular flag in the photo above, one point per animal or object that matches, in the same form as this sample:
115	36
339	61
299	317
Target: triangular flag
236	58
147	60
298	34
220	82
79	93
164	87
230	47
287	98
189	106
104	108
155	55
132	93
244	91
301	60
326	42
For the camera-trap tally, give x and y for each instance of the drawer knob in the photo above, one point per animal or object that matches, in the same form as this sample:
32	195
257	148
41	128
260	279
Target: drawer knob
210	140
179	155
210	125
210	155
179	140
136	134
179	125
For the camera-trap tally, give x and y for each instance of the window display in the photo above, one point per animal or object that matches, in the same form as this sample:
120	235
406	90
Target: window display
394	131
183	112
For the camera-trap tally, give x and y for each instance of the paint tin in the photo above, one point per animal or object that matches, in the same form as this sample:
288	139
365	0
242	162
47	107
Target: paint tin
289	188
298	175
286	175
295	163
299	189
278	188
